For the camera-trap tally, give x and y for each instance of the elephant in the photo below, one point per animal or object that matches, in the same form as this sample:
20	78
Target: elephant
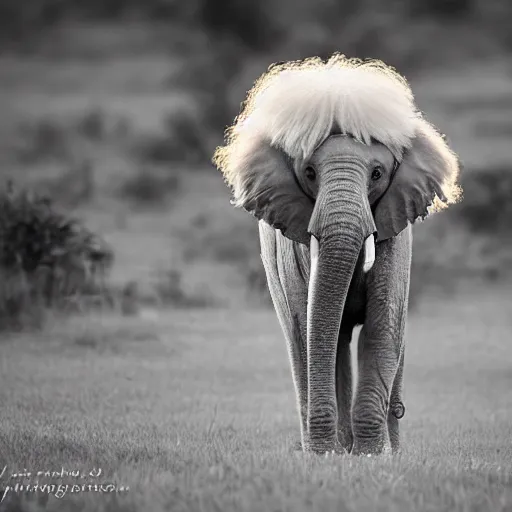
337	163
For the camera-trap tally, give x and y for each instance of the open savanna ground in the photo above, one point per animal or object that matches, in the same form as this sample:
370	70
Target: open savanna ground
194	410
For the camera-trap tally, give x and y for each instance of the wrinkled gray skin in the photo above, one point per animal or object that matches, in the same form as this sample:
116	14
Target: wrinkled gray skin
341	297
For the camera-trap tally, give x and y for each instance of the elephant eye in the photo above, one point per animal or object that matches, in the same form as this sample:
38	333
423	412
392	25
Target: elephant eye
377	172
310	173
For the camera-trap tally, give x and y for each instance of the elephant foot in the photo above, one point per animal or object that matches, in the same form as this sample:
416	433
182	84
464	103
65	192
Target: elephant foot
339	449
321	449
371	447
336	449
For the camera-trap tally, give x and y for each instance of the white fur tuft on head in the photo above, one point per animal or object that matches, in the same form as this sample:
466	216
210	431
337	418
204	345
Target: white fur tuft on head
297	105
300	106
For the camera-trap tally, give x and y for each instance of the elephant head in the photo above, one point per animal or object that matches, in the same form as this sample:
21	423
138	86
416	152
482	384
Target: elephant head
334	154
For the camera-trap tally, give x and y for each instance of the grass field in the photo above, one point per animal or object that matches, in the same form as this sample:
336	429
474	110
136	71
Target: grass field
194	410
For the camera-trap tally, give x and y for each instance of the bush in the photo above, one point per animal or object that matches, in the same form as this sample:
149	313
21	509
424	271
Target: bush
46	258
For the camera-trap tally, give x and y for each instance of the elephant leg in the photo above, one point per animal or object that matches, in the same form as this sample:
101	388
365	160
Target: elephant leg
378	364
344	389
396	407
287	271
381	348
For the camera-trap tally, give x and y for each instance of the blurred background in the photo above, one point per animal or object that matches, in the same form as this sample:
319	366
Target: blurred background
113	109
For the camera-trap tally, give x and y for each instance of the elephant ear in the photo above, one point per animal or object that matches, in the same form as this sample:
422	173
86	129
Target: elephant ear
264	183
425	181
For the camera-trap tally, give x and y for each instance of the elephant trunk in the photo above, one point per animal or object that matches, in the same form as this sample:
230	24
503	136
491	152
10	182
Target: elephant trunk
340	224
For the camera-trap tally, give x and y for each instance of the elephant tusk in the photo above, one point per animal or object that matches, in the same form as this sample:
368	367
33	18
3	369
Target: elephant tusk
369	253
314	250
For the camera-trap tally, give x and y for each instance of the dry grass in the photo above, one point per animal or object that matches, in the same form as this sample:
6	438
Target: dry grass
195	411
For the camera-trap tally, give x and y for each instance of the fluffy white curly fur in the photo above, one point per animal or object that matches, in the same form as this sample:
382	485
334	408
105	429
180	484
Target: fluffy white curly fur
296	105
300	106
